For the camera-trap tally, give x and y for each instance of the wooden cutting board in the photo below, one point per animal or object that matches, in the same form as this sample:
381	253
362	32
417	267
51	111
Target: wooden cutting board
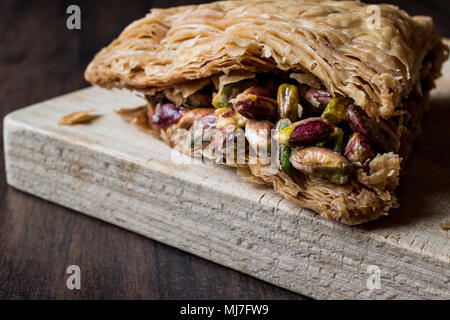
112	171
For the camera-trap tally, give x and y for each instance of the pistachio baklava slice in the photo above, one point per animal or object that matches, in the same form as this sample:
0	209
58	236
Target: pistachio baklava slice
319	99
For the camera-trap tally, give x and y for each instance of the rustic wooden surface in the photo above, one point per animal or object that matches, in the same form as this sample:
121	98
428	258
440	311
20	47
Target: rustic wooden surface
39	59
114	172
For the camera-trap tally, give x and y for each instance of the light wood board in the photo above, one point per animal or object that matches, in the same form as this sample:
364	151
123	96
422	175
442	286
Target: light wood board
112	171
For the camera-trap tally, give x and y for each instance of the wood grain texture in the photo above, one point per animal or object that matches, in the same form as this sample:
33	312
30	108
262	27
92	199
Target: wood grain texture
40	58
114	172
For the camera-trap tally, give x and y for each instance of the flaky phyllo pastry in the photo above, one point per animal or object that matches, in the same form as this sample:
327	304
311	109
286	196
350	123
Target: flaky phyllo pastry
342	85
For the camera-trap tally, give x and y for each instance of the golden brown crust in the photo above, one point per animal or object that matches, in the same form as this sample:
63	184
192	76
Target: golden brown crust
333	40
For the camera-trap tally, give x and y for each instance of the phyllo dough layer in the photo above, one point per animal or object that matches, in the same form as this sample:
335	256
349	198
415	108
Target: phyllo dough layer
333	40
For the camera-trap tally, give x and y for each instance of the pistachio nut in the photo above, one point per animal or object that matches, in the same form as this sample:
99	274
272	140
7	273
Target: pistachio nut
227	116
359	149
254	103
188	119
223	98
305	132
219	140
322	162
379	133
258	134
204	128
318	98
335	141
288	101
284	152
336	110
166	115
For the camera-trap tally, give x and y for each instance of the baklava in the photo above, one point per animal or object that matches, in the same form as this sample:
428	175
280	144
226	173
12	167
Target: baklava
327	96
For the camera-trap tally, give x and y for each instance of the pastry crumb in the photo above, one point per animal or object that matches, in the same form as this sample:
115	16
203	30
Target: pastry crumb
77	118
128	111
445	225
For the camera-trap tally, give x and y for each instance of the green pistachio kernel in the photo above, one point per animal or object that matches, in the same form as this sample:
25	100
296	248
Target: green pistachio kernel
285	151
223	98
288	102
336	110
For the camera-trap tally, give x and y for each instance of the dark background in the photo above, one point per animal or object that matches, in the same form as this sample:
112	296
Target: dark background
40	59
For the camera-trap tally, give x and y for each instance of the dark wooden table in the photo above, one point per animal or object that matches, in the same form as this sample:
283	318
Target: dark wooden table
39	59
